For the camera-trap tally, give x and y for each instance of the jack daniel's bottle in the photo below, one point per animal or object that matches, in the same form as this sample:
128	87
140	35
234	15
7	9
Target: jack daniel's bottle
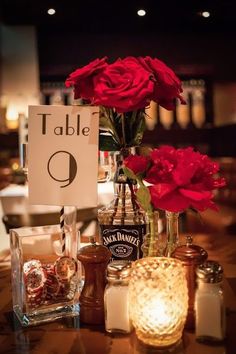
123	223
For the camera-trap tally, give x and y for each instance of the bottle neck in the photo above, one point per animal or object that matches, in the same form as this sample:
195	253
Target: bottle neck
123	186
124	209
119	176
152	245
125	189
153	218
172	231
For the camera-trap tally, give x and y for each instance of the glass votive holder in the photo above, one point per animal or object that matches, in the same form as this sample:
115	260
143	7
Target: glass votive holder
158	300
45	274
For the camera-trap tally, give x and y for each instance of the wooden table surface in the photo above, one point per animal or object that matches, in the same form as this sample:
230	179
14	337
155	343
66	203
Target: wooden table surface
68	336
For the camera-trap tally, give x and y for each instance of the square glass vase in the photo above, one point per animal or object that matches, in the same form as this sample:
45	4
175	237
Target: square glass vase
45	275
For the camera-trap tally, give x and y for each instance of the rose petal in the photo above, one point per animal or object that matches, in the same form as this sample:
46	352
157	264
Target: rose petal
172	201
195	195
138	164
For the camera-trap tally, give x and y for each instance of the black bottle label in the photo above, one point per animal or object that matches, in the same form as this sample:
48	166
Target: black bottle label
124	241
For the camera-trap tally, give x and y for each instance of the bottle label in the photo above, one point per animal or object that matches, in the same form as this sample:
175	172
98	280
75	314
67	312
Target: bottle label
123	241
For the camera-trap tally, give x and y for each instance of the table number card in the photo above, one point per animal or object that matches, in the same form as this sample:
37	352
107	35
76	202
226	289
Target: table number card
63	155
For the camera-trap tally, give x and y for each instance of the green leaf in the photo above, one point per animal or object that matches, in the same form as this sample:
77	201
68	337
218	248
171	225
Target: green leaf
133	117
107	122
126	128
129	173
138	129
144	198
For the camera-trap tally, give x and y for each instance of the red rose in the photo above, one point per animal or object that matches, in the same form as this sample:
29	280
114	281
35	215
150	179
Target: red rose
138	164
127	85
82	78
181	179
168	197
124	85
163	162
167	84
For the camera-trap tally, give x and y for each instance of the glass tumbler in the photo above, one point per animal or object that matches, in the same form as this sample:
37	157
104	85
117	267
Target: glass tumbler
158	300
45	275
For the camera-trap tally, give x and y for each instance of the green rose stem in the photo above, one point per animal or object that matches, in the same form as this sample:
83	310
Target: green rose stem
122	197
122	183
134	204
123	211
110	114
144	198
171	232
122	140
116	204
152	234
123	130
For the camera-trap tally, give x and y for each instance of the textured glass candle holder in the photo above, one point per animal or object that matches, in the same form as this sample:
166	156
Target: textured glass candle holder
44	280
158	300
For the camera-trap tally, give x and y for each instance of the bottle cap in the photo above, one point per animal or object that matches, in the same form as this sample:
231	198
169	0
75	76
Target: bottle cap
210	272
118	270
190	253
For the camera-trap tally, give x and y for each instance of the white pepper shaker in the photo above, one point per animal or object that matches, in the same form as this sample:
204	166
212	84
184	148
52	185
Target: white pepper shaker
116	299
209	303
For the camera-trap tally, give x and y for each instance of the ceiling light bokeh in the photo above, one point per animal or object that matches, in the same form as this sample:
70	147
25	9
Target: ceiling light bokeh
205	14
51	11
141	12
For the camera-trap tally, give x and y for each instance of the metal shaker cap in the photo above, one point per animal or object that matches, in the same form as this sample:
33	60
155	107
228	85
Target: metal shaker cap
210	272
190	253
119	270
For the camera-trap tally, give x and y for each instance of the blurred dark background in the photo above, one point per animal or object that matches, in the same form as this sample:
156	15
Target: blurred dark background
174	31
195	38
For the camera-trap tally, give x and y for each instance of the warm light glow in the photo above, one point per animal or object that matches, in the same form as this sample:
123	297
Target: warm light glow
51	11
12	113
151	115
205	14
158	298
141	12
15	166
12	117
157	311
166	117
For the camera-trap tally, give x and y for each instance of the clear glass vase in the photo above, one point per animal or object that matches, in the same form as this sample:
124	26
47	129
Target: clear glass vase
122	223
45	275
153	244
158	298
172	232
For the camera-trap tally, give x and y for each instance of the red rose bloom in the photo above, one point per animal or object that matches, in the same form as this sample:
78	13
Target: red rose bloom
82	79
124	85
182	178
138	164
127	84
163	161
167	84
179	178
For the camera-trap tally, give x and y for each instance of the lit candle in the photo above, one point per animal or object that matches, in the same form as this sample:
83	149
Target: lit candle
158	300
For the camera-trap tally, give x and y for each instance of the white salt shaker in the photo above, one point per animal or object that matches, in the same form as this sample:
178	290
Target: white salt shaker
209	303
116	299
